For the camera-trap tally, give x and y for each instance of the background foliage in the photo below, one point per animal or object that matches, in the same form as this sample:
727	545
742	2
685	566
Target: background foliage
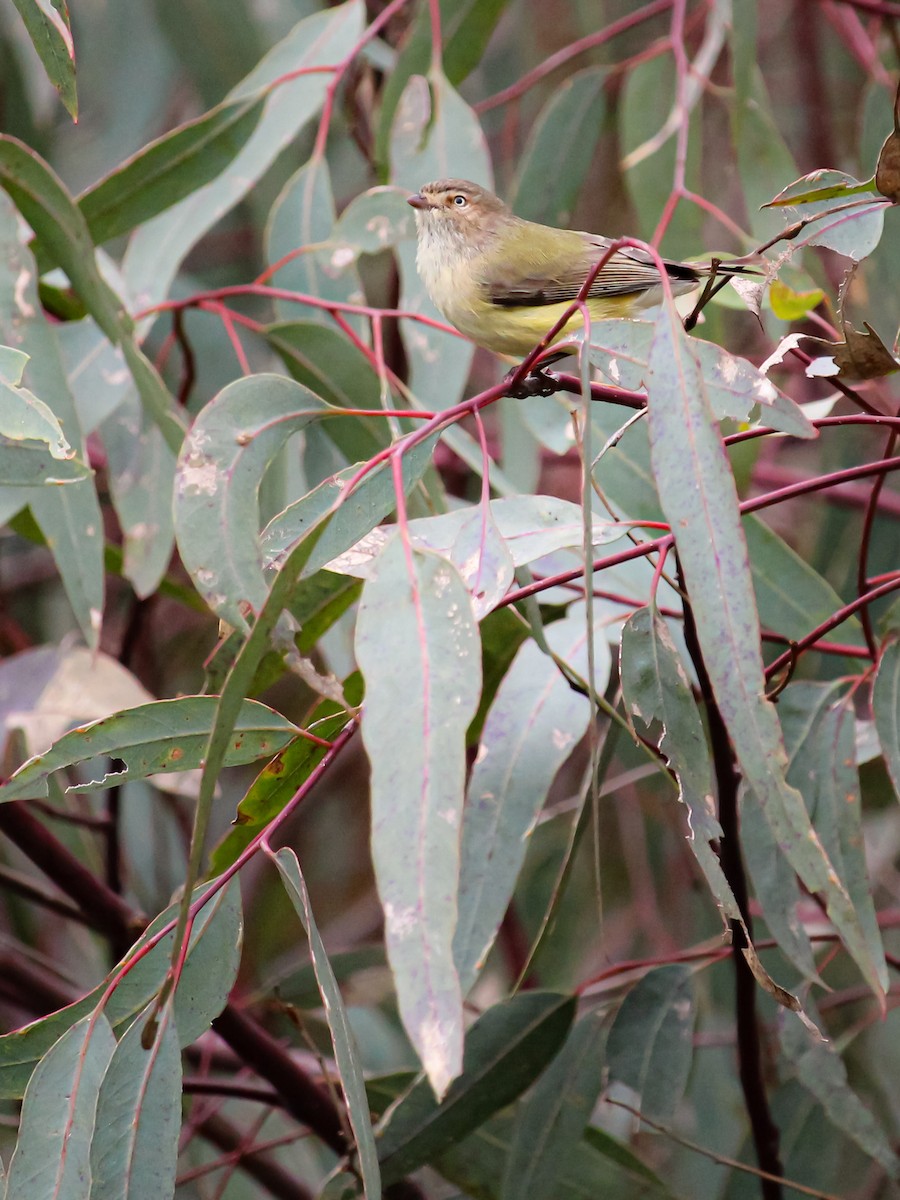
581	909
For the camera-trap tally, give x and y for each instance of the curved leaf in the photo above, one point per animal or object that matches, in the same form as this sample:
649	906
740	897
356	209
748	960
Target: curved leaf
417	646
220	468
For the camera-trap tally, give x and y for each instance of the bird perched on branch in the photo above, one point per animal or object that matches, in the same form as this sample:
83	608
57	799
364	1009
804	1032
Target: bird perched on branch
504	282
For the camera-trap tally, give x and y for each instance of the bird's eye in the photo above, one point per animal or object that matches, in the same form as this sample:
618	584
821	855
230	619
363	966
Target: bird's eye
460	201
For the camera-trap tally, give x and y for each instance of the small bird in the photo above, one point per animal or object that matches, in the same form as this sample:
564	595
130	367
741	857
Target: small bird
504	282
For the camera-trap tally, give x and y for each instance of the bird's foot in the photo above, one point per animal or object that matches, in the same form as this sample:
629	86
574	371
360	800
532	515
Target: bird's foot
538	382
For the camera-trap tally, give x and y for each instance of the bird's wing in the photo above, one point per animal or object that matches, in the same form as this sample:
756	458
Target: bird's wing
557	276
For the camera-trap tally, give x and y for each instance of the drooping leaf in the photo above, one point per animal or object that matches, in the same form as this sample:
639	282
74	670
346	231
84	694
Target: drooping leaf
52	1155
821	1071
466	26
47	22
135	1147
220	468
650	1043
656	689
141	474
698	497
417	647
303	218
506	1049
819	729
532	727
62	231
560	149
550	1122
69	517
886	709
346	1051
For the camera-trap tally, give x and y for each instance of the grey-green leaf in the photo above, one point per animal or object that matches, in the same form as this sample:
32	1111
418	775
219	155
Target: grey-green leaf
822	1072
417	646
168	170
346	1051
167	735
699	499
220	468
532	727
550	1122
560	148
886	709
506	1049
52	1156
47	22
650	1044
135	1148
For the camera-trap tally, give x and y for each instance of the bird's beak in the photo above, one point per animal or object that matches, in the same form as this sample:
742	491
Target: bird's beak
417	200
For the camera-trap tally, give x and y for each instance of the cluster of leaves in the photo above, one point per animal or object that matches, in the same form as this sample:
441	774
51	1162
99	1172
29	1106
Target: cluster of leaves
294	457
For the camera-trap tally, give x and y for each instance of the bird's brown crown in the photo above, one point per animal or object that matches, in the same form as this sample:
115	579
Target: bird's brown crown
460	197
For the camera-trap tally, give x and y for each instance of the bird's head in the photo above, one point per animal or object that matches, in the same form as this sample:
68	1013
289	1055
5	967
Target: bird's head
455	205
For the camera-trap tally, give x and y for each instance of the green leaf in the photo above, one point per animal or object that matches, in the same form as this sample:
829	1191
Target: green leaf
69	518
303	218
599	1166
886	709
650	1044
323	39
819	731
220	468
323	359
534	724
822	1072
23	417
560	149
466	28
368	504
853	232
735	388
209	973
168	169
52	1155
550	1122
346	1051
47	22
698	497
656	689
134	1152
31	464
506	1049
775	884
373	221
167	735
141	472
275	785
417	647
62	231
792	597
